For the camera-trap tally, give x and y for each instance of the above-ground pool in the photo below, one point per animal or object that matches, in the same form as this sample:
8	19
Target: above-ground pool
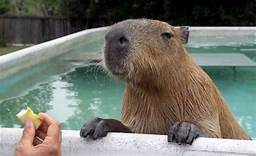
73	90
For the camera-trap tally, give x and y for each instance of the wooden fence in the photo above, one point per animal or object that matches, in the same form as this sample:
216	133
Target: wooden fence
33	30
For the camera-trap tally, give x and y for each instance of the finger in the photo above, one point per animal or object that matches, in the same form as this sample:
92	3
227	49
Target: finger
46	122
60	136
28	133
47	119
54	131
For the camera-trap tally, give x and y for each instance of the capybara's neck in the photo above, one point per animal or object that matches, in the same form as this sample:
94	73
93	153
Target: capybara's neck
183	94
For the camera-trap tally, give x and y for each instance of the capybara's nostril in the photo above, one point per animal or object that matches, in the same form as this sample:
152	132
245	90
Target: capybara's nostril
123	41
117	41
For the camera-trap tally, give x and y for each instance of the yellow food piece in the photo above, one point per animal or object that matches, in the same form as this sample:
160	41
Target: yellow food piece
24	114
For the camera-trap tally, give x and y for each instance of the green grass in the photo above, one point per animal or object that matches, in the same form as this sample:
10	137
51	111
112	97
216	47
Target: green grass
6	50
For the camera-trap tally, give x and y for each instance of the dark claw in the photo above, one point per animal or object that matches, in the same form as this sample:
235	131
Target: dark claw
171	132
191	138
184	133
86	132
101	130
89	127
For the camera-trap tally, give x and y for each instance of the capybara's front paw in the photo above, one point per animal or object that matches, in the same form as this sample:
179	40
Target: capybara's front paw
98	128
185	133
94	129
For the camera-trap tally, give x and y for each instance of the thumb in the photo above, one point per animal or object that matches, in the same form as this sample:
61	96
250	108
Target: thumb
28	133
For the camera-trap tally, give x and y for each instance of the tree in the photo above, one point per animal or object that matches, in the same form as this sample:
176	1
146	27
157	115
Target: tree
196	12
4	6
30	7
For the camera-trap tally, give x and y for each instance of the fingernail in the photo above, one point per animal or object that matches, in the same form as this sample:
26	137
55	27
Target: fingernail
27	123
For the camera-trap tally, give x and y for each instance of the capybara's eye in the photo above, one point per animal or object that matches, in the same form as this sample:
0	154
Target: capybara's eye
167	35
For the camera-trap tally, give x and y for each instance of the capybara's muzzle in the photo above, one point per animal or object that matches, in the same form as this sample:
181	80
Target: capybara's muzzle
116	41
116	50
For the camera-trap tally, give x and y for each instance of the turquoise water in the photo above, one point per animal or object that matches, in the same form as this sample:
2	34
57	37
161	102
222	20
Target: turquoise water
73	91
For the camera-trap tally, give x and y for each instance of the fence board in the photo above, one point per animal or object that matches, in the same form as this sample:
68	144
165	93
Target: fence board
34	30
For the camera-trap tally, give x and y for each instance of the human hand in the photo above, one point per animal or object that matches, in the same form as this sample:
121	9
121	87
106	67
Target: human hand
49	134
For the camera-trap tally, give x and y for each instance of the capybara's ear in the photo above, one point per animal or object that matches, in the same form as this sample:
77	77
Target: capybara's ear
183	32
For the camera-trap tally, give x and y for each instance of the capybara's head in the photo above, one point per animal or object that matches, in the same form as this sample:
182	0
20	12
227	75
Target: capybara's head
142	50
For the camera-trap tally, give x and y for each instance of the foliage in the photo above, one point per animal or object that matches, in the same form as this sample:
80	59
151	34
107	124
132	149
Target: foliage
30	7
2	44
196	12
5	49
4	6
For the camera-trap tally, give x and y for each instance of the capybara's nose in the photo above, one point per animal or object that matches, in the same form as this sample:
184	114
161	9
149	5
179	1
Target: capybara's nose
117	41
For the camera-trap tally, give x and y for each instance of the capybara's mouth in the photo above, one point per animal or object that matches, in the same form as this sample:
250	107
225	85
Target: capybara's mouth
115	64
116	52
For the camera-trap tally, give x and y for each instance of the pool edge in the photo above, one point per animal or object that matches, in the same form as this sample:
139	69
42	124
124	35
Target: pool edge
133	144
25	58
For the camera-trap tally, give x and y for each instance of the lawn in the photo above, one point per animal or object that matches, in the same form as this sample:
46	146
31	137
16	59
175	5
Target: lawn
6	50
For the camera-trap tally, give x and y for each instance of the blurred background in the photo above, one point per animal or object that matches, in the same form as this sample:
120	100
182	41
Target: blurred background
105	12
28	22
72	91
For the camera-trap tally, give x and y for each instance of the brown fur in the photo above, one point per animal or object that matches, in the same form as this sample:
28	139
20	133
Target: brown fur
164	85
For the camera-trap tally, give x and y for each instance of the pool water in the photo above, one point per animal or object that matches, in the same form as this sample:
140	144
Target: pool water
73	91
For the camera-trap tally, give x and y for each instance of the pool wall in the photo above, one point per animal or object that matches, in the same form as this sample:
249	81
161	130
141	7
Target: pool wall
116	144
119	143
25	58
212	36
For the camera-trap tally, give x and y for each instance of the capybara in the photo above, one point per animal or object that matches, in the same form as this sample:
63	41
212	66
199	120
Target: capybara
166	92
